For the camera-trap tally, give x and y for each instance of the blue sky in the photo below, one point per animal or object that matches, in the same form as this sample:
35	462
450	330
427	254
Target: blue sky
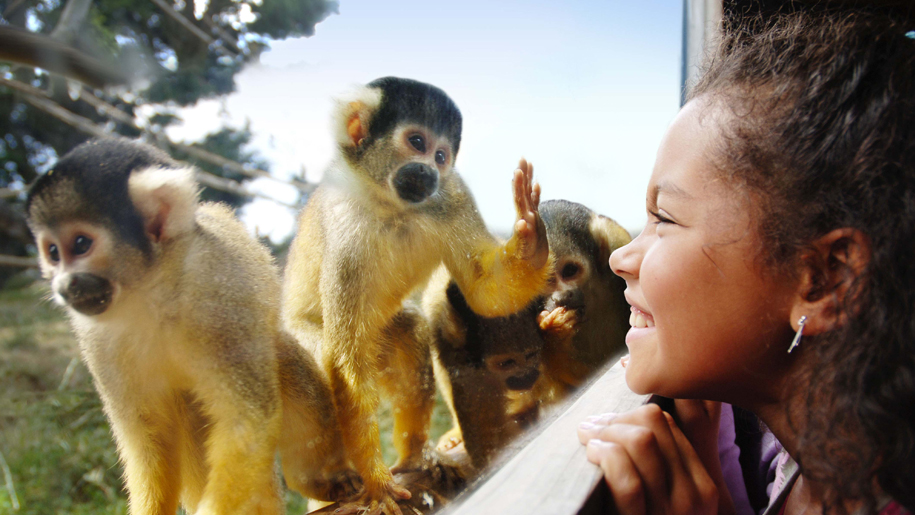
582	89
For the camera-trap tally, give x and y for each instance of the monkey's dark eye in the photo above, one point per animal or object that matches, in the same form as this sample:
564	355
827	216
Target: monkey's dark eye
570	270
440	157
54	253
418	142
506	364
81	245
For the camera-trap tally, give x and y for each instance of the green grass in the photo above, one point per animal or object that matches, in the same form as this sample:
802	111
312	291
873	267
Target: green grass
54	436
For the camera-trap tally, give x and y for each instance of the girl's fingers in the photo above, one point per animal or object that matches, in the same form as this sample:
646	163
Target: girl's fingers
652	417
670	475
592	427
602	419
705	487
641	444
621	475
698	421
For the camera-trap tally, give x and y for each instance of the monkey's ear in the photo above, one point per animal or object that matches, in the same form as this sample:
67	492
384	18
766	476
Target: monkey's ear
166	199
353	114
609	235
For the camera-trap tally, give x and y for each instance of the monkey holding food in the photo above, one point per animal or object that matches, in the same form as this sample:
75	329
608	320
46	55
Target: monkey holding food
388	211
585	317
496	373
177	313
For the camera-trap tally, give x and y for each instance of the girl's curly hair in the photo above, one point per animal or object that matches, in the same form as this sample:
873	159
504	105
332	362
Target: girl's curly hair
822	135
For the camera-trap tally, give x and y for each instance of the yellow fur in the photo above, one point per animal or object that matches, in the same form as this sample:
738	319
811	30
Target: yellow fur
358	255
199	379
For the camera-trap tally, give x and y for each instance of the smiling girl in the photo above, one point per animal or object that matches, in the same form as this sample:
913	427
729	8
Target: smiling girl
781	210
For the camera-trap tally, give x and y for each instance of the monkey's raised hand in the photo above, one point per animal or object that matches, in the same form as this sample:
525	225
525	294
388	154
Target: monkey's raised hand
529	239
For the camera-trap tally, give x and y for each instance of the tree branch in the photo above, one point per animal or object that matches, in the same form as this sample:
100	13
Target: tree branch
71	20
223	184
13	8
21	46
187	24
6	193
224	36
39	99
21	262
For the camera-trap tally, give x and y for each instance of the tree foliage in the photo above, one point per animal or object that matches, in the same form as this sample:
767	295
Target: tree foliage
175	52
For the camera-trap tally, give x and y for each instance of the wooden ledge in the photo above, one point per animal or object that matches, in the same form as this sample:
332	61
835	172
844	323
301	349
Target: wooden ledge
550	474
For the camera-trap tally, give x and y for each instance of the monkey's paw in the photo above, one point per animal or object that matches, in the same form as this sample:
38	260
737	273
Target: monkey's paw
440	480
449	444
560	323
450	441
529	229
365	504
343	485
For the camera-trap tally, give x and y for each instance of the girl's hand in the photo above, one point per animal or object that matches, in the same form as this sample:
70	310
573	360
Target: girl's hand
649	464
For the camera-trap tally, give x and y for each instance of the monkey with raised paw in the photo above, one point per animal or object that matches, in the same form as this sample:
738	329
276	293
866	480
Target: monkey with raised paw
389	210
496	373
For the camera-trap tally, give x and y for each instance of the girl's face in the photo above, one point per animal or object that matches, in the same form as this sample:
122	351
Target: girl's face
707	321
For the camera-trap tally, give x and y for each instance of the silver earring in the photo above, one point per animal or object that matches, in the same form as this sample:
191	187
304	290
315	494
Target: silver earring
797	335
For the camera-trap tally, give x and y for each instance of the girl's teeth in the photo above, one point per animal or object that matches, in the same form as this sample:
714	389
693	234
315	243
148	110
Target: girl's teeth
639	321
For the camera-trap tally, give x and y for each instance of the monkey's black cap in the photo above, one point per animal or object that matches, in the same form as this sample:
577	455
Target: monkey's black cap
97	172
411	101
573	221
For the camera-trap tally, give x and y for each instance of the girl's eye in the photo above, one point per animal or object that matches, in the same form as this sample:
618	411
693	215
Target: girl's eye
661	219
54	253
440	157
418	143
81	245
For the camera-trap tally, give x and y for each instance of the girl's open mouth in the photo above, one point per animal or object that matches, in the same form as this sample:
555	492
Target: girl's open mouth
639	319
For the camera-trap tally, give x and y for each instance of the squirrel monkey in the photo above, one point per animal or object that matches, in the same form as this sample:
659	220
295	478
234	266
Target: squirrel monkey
585	315
486	369
177	313
388	211
496	373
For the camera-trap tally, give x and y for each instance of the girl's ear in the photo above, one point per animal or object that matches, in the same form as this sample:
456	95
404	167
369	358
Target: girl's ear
830	268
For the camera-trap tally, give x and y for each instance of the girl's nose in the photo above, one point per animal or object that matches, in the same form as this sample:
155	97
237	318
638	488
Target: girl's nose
626	260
